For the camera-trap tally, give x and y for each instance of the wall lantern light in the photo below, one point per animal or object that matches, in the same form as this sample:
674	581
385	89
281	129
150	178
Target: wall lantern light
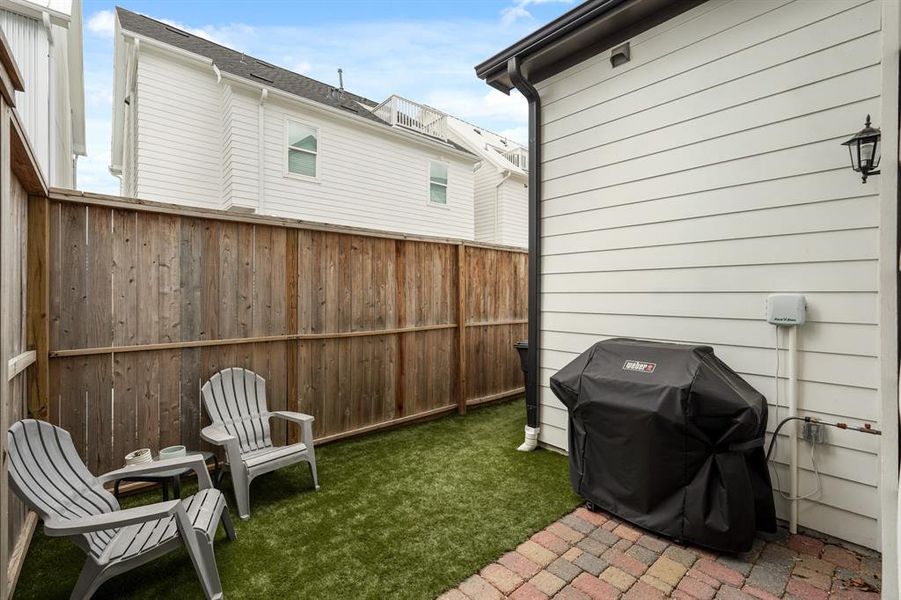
865	151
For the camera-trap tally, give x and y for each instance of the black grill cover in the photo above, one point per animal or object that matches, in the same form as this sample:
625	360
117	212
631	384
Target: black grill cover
670	438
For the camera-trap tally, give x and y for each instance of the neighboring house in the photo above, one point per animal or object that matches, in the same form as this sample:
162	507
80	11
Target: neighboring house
45	38
198	124
501	184
685	177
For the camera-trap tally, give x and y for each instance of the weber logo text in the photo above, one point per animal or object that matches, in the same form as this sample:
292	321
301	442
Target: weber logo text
640	366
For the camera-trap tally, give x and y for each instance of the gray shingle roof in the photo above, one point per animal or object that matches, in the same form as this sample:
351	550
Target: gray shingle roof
248	67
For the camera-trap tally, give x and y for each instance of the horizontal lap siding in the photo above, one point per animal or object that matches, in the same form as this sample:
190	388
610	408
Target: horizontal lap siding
486	179
366	179
240	149
515	213
683	187
179	132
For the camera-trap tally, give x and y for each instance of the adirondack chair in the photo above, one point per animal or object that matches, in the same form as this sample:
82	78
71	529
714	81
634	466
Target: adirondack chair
47	474
235	400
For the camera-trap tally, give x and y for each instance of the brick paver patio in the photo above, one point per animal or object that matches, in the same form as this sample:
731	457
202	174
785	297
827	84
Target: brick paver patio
594	556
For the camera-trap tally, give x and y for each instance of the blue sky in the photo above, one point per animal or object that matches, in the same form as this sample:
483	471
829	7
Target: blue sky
424	50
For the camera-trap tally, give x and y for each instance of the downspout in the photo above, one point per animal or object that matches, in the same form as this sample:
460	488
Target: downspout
497	201
531	94
51	150
261	150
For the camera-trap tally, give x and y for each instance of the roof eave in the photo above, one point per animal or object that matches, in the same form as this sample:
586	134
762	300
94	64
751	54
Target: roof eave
588	29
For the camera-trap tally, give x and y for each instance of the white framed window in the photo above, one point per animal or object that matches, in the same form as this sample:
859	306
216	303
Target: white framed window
302	150
437	183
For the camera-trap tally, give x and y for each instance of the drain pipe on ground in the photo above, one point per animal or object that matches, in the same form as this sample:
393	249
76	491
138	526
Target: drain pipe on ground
532	376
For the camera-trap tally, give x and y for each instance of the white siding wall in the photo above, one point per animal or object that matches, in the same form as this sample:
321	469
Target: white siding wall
486	180
129	180
240	149
198	145
31	49
510	200
62	167
684	186
514	210
366	179
179	132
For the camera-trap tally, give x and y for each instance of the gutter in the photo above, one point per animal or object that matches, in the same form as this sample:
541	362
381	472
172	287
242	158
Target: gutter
261	150
545	36
531	94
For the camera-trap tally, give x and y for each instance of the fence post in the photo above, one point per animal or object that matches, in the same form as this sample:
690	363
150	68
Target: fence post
293	327
461	328
38	306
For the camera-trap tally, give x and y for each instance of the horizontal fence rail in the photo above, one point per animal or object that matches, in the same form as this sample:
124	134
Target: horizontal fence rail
362	331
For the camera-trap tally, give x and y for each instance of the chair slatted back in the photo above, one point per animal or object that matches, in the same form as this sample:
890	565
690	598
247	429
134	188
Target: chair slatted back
236	399
47	474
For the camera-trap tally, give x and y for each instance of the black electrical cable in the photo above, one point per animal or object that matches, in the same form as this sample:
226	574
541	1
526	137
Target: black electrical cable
776	432
864	429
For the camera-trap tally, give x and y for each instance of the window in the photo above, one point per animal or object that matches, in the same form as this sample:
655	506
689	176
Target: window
303	149
438	183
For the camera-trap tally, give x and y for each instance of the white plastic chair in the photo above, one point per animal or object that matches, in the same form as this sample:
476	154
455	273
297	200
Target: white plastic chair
235	400
48	475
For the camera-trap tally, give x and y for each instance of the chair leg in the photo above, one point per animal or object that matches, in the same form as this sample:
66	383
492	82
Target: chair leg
312	461
212	585
200	549
227	524
88	581
241	487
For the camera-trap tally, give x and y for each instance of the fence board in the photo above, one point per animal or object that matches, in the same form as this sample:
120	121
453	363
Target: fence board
146	305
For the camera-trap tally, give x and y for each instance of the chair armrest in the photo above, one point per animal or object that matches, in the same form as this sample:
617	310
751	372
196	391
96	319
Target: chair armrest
113	520
216	435
194	462
305	422
295	417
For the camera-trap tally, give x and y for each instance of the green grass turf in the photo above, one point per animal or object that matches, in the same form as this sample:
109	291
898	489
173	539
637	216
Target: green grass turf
401	514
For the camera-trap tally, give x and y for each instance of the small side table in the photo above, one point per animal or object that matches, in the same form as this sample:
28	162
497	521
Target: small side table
173	476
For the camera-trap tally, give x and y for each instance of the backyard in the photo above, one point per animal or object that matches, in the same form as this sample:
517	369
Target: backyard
406	513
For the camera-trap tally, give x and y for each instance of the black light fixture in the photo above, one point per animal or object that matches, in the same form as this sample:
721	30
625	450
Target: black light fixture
865	151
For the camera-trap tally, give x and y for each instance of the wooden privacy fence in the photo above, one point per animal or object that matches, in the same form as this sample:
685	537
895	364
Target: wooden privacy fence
139	303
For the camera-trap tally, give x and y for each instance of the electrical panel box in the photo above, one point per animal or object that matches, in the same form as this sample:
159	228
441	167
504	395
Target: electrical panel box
786	309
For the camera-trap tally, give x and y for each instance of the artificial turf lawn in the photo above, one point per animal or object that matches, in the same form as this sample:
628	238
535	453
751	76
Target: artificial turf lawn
401	514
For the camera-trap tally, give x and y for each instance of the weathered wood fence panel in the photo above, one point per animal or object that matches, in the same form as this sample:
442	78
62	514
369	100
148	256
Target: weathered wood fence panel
359	329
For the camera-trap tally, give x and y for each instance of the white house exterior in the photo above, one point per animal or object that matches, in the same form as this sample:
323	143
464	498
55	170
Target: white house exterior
198	124
46	41
501	184
680	188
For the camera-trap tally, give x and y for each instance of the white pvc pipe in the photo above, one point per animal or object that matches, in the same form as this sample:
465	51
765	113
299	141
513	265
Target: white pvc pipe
531	441
793	426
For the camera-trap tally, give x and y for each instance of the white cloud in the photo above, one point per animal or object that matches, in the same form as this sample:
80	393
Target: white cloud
511	14
477	107
102	23
519	135
518	10
228	35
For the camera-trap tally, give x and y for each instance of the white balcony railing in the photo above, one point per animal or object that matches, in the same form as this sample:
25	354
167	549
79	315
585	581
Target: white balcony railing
399	111
518	156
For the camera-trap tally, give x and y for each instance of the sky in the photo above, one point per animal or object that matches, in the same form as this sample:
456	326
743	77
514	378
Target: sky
424	50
